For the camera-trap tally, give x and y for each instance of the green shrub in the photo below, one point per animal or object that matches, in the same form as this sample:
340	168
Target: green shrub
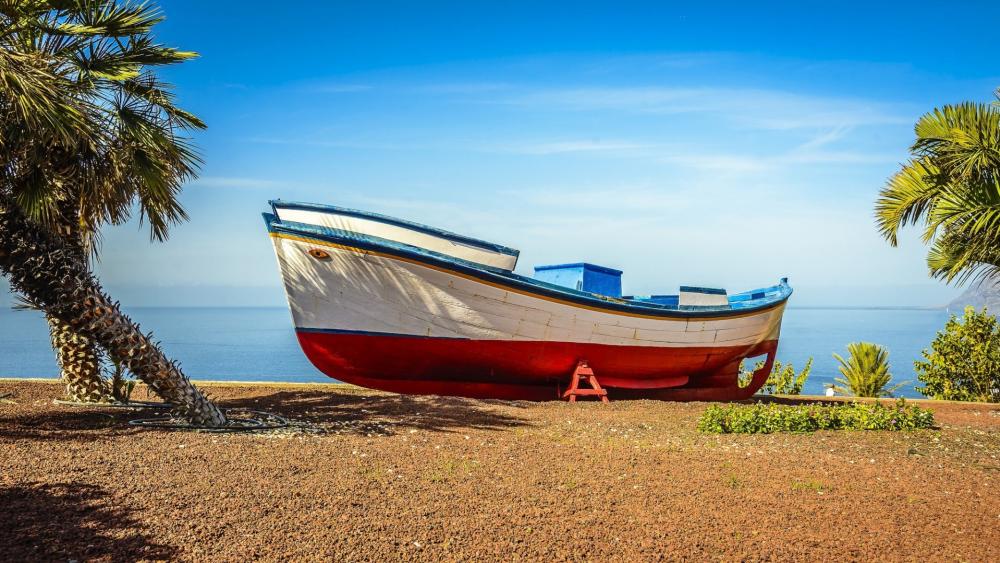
121	384
763	418
782	380
865	371
963	363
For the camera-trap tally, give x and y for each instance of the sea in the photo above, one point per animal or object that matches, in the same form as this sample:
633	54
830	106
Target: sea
258	344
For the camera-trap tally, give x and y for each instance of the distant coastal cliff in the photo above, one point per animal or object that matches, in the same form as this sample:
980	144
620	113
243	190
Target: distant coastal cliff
979	296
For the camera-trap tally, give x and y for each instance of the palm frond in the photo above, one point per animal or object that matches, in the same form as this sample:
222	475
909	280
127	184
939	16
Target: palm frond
973	209
906	198
112	19
964	140
22	303
952	184
37	97
955	257
79	101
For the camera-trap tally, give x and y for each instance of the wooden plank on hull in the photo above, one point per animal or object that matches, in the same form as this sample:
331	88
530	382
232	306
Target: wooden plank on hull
705	337
627	333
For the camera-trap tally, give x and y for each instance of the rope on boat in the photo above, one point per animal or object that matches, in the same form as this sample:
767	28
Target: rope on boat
264	421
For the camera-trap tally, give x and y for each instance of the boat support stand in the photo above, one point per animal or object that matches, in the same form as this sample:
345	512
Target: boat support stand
584	373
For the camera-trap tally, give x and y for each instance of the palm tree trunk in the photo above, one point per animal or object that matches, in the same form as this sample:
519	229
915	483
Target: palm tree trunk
78	357
41	266
79	363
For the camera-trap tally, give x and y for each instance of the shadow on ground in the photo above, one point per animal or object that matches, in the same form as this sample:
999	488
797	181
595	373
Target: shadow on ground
79	424
63	522
312	410
382	413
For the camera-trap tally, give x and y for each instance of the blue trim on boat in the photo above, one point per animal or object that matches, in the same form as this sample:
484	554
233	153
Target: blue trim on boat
454	237
705	290
372	333
501	276
749	295
585	265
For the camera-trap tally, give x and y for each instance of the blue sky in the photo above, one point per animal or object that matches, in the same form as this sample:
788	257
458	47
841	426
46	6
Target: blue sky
722	144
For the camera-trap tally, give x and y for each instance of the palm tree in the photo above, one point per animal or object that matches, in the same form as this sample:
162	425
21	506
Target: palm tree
952	184
86	126
865	371
79	358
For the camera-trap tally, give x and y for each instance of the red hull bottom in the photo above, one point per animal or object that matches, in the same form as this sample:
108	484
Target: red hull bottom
535	371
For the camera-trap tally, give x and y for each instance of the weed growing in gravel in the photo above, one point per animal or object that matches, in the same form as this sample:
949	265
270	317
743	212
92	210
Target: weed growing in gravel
809	485
767	418
450	469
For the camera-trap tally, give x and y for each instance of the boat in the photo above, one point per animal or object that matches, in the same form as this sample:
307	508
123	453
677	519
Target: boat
403	307
397	230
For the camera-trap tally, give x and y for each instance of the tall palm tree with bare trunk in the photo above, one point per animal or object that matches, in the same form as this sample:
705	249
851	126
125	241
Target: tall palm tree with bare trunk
80	359
87	134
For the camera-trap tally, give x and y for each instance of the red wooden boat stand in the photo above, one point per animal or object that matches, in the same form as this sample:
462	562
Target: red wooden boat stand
583	372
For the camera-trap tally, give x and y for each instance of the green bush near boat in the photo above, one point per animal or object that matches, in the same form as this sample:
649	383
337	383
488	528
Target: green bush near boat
783	379
763	418
963	362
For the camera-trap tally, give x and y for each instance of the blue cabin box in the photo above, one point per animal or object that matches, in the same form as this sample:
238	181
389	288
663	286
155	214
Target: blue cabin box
583	277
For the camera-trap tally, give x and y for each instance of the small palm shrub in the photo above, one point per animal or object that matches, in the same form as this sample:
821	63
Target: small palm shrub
768	418
865	371
963	363
783	380
121	384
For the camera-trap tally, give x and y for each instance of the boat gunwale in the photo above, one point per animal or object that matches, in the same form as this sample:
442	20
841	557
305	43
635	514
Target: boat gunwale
378	217
508	280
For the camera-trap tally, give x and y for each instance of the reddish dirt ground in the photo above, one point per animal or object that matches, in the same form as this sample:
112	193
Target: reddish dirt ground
372	476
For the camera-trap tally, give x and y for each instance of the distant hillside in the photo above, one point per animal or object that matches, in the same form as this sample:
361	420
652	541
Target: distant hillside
979	296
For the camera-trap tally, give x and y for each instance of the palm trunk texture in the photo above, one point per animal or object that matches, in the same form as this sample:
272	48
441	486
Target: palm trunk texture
78	357
79	363
41	266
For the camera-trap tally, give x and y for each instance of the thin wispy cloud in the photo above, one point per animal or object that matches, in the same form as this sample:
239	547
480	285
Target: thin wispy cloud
632	148
684	156
621	197
719	162
837	157
291	141
826	137
460	88
340	88
706	159
236	182
764	109
744	163
683	60
331	144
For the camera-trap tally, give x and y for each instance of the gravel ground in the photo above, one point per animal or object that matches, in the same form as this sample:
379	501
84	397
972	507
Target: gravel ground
363	475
